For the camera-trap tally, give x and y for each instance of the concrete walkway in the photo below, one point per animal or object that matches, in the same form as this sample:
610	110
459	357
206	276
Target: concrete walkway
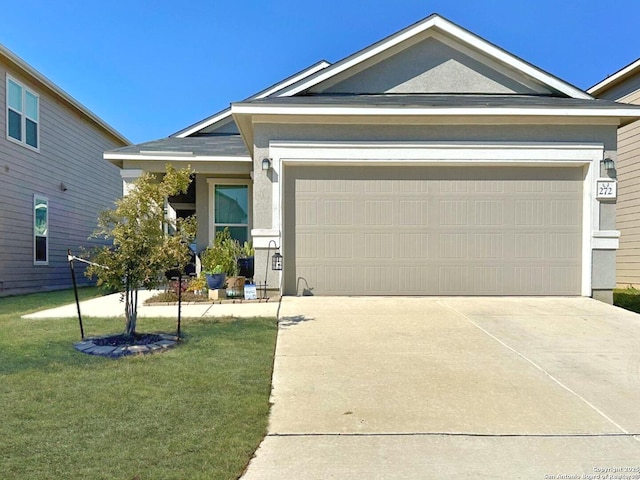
111	306
415	388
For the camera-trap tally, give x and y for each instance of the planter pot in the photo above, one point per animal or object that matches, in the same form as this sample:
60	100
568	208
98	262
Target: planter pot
246	267
215	281
235	287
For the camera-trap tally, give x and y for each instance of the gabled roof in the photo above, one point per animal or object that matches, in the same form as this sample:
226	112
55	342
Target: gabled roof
28	70
191	149
310	98
432	25
225	115
305	95
616	78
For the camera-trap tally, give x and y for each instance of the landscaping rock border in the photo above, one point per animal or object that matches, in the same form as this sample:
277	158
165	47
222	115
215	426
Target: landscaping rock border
90	347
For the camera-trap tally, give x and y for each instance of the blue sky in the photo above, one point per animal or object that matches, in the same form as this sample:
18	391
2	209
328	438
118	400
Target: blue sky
151	68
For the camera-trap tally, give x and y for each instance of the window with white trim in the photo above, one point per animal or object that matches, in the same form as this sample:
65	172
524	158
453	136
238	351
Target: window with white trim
231	208
23	113
40	230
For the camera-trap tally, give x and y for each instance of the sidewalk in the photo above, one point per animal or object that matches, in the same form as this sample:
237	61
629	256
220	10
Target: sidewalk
111	306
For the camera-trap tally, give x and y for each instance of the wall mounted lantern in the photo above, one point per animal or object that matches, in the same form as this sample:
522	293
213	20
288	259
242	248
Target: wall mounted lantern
608	164
266	164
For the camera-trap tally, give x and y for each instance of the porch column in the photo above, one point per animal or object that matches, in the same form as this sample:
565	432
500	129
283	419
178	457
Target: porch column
129	175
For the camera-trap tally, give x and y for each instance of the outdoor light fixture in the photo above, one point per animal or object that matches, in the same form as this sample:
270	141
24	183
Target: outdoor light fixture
266	164
276	261
608	164
63	187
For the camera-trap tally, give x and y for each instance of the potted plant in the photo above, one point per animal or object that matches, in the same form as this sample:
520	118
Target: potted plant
216	261
221	258
215	278
245	260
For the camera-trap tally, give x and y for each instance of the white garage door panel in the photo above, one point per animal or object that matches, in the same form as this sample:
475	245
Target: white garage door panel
428	231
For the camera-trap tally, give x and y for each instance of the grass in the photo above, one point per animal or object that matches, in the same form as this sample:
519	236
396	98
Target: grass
23	304
197	411
627	298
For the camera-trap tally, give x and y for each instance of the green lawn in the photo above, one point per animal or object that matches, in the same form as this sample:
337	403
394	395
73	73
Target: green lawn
197	411
628	298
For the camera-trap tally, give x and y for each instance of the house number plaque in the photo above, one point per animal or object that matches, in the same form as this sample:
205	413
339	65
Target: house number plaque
606	189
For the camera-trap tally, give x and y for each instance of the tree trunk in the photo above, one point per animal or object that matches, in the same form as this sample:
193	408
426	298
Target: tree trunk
131	311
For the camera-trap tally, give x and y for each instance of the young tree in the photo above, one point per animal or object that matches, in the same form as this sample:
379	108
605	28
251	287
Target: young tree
141	252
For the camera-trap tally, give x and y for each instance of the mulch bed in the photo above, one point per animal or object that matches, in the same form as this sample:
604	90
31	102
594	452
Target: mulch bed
122	339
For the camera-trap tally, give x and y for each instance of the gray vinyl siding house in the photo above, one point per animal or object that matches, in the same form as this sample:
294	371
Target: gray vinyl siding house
624	86
429	163
54	180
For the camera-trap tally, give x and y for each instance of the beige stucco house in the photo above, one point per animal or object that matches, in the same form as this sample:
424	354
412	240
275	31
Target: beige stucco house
54	179
624	86
430	163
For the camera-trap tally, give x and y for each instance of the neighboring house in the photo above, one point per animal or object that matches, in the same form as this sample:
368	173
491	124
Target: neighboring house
430	163
54	180
624	86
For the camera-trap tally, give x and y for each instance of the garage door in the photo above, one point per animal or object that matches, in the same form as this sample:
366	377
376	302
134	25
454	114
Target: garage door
433	231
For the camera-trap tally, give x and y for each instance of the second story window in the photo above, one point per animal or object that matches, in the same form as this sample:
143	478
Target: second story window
23	111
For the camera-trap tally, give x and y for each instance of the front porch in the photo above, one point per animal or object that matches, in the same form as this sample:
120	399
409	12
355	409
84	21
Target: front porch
220	195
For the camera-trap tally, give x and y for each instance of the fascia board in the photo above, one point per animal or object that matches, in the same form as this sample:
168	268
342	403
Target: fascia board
265	93
115	157
40	78
245	127
210	121
462	35
292	81
511	60
612	79
244	109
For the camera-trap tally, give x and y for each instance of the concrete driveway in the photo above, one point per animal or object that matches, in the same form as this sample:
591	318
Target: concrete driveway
379	388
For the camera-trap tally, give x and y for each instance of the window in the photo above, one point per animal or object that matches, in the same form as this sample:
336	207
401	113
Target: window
40	230
231	209
23	110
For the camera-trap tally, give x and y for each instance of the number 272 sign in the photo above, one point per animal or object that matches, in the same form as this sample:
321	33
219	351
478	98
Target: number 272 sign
606	189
